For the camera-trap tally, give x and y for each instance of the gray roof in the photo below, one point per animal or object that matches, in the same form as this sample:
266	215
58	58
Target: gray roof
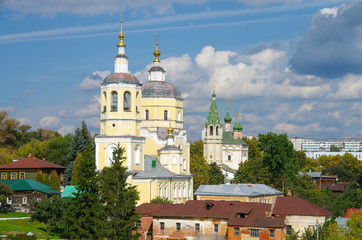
311	174
241	190
341	221
159	171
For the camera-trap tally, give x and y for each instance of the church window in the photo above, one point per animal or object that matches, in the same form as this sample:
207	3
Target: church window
137	101
211	130
175	191
184	164
127	103
137	153
165	192
189	190
105	102
160	191
217	131
179	191
114	101
229	157
174	162
184	189
179	116
147	114
165	115
164	160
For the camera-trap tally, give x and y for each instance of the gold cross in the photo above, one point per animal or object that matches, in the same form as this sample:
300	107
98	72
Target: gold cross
228	101
157	36
238	116
121	17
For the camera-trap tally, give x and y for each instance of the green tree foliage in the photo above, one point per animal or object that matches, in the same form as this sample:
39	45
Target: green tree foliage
8	130
5	156
54	180
39	177
85	216
56	149
279	158
252	170
334	148
216	176
161	200
5	192
46	179
354	224
332	231
82	138
198	164
76	167
120	199
35	147
50	211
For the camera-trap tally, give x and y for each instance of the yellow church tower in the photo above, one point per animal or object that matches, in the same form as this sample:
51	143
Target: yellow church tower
147	120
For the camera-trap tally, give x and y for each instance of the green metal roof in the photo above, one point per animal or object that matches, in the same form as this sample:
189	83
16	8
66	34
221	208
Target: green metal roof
228	138
213	117
227	118
69	191
237	127
28	185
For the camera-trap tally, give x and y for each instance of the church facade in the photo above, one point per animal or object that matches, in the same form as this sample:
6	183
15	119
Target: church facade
147	120
223	146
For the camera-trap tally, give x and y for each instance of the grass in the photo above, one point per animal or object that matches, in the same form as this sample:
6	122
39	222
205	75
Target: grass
23	226
14	214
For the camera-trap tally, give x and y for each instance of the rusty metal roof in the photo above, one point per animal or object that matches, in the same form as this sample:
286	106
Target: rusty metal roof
292	205
30	163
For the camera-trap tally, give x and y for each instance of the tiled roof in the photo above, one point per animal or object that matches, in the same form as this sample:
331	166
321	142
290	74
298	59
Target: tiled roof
228	210
28	185
160	89
350	211
311	174
242	190
334	187
120	78
292	205
30	163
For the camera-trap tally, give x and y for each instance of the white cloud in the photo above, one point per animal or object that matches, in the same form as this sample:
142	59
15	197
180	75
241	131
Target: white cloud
350	87
8	109
49	122
329	11
65	129
93	81
92	109
25	121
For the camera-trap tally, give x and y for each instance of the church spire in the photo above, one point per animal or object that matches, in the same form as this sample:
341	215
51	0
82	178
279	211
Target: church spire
213	117
156	53
156	73
121	60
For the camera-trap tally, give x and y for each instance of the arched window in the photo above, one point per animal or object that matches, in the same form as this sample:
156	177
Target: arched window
205	131
105	102
137	102
174	162
184	191
137	154
184	164
175	191
165	192
165	115
160	190
114	101
147	114
211	130
217	131
179	191
126	101
179	116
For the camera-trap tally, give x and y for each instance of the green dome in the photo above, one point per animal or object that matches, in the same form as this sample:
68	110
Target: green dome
237	127
227	118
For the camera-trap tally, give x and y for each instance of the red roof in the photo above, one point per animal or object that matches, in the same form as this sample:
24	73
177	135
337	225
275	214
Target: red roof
228	210
291	205
350	211
30	163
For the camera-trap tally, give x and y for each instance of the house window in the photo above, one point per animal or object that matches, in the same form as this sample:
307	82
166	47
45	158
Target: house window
162	226
254	232
126	101
38	199
236	232
3	175
178	226
114	101
271	233
289	229
25	200
165	115
216	227
13	175
147	114
22	175
197	227
138	223
8	200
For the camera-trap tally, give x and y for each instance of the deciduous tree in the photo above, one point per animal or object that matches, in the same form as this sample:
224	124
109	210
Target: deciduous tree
5	192
39	177
76	167
216	176
54	180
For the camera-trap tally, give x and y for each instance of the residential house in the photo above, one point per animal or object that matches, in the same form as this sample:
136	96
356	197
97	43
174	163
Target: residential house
238	192
319	178
26	192
26	168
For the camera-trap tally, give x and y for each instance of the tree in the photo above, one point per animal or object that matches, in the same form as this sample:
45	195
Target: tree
35	147
198	164
56	149
354	224
334	148
85	214
252	170
216	176
82	138
39	177
76	167
161	200
279	158
5	156
49	211
8	130
5	192
54	180
46	179
120	199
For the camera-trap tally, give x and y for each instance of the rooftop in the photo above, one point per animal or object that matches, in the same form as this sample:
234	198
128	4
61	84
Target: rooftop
241	190
28	185
30	163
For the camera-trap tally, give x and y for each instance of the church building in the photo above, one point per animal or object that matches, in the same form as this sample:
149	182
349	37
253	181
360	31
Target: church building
224	146
147	120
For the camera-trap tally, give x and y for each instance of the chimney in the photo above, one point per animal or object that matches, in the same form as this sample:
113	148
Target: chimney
34	158
29	155
289	193
43	159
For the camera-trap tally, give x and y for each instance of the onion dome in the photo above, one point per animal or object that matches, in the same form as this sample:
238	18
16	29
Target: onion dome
160	89
237	127
227	118
120	78
213	117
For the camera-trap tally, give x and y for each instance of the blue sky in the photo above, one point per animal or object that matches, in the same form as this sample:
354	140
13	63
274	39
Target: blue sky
291	66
